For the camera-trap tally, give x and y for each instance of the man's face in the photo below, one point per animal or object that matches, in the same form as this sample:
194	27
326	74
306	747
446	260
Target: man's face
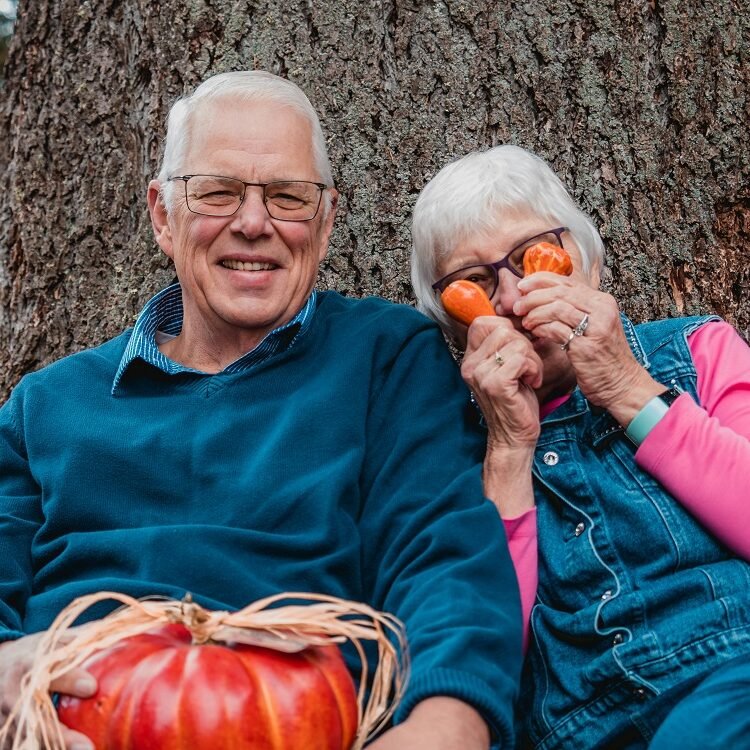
244	274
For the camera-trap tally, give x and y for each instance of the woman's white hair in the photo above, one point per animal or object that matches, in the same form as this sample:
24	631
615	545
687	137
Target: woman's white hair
238	86
467	197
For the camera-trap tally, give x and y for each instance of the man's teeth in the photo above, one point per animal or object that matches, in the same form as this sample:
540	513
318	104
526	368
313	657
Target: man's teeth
238	265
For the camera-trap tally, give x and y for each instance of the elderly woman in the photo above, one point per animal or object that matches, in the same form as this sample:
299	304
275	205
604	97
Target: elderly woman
618	455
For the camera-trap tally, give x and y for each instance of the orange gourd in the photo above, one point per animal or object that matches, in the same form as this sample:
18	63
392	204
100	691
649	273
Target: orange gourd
175	676
159	690
464	300
544	256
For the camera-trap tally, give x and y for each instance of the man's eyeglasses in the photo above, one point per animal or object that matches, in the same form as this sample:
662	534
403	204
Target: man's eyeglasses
285	200
486	274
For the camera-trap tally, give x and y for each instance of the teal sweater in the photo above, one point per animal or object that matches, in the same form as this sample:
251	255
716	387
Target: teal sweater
349	464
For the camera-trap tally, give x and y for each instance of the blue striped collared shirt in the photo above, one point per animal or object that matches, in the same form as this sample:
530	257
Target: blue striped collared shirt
163	313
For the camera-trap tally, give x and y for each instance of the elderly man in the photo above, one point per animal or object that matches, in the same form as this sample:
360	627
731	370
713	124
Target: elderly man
251	436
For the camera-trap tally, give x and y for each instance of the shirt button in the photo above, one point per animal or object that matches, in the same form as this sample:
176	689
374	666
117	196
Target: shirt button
618	639
550	458
640	694
606	595
580	528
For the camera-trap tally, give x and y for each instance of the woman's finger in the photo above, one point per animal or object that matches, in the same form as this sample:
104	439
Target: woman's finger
559	311
561	333
522	367
522	362
510	360
574	292
497	329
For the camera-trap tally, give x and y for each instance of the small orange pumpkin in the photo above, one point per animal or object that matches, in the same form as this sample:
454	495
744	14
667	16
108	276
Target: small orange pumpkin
464	300
544	256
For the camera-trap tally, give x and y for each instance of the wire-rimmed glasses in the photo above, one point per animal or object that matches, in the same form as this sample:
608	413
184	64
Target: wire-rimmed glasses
285	200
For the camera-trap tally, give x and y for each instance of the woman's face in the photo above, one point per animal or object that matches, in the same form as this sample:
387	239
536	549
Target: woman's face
514	228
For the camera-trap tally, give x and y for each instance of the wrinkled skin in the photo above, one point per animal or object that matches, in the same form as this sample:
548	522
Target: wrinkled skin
16	658
439	723
535	317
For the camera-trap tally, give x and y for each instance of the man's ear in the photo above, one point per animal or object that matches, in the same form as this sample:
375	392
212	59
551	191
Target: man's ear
159	219
327	225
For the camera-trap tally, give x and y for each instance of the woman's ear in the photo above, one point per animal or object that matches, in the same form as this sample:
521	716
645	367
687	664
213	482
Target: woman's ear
595	275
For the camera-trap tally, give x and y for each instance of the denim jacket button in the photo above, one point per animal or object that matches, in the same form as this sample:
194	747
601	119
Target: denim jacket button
640	693
580	528
606	595
618	639
550	458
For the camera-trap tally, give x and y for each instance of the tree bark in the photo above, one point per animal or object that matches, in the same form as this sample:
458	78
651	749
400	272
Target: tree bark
641	107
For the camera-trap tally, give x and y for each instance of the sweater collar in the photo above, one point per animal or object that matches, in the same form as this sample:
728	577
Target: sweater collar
163	314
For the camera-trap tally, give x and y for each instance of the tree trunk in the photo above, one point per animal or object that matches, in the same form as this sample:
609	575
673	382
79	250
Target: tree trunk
641	107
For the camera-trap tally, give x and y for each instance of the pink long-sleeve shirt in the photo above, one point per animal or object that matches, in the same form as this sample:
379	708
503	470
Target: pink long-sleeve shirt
701	454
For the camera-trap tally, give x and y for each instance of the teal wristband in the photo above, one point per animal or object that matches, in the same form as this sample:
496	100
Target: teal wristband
650	415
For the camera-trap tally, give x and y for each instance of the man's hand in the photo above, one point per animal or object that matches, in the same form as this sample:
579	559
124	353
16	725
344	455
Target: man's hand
16	658
439	723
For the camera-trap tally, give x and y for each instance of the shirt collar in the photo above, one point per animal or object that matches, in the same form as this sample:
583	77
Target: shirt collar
164	313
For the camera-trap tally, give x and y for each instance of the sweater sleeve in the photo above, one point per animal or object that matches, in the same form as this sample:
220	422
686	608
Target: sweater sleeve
701	454
434	549
522	545
20	518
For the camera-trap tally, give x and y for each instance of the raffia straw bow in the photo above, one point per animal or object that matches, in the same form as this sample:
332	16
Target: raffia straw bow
321	620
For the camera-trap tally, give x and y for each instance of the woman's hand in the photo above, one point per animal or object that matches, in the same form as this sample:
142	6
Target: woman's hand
502	369
16	659
606	371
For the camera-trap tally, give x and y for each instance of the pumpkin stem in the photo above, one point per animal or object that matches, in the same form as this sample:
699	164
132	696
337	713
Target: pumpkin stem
201	623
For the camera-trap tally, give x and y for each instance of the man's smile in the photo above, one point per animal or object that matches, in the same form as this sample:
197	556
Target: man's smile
239	265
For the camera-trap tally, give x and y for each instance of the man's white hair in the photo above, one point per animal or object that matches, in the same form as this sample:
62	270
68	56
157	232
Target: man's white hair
466	198
238	86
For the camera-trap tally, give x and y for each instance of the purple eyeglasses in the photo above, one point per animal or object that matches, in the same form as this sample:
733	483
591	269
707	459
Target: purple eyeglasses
486	275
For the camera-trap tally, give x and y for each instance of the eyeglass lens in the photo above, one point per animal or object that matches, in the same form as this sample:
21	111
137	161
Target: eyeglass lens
486	276
294	200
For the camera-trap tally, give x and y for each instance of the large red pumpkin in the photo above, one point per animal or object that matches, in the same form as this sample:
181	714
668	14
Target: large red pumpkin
159	691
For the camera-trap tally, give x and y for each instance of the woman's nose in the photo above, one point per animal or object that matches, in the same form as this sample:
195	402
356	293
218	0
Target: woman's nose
506	293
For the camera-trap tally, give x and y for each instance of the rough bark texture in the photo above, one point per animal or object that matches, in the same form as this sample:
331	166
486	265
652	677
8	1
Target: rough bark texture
642	108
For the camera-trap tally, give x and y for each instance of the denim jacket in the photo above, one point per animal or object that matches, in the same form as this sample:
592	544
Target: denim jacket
634	595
